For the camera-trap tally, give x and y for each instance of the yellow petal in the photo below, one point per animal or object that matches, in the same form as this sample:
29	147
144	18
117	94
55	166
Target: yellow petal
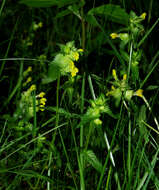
114	74
124	76
139	93
143	16
113	35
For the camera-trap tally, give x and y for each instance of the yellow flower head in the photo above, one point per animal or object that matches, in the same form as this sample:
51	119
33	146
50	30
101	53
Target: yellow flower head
139	93
74	71
43	101
32	88
124	76
29	69
29	79
71	65
40	24
143	16
41	95
76	56
42	107
80	50
112	87
114	74
114	35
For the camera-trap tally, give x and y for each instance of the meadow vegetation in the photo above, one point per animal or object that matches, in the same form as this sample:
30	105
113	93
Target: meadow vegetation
79	95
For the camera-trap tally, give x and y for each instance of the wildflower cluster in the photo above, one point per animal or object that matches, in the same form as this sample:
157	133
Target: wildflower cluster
130	40
134	29
63	63
26	103
121	89
97	107
72	54
41	101
25	107
25	74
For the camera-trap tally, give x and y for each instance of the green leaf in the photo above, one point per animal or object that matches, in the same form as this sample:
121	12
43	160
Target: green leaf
113	12
91	158
142	117
47	3
63	13
75	10
152	87
59	66
31	174
91	20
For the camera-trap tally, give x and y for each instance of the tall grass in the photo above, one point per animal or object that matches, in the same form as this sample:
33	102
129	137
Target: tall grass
82	114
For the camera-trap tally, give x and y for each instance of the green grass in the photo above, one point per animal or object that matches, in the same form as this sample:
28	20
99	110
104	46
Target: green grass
93	127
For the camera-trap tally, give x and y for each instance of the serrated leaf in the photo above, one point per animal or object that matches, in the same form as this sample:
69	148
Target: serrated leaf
109	112
47	3
59	66
113	12
64	112
60	111
91	158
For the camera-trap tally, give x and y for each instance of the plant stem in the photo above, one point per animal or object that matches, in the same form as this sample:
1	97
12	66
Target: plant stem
56	124
83	27
147	104
81	128
34	112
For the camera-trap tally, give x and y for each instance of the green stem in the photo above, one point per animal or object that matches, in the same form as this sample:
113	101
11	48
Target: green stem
57	108
82	184
9	45
129	149
83	27
2	6
67	157
89	135
56	125
81	128
34	112
57	101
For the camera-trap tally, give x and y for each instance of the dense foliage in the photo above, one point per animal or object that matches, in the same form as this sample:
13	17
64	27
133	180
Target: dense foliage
79	94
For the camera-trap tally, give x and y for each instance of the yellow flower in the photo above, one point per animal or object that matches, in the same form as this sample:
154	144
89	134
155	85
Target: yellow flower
32	88
41	107
114	74
29	79
41	95
143	16
124	76
43	101
71	65
112	87
113	35
80	50
97	121
29	69
139	93
74	71
40	24
76	56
